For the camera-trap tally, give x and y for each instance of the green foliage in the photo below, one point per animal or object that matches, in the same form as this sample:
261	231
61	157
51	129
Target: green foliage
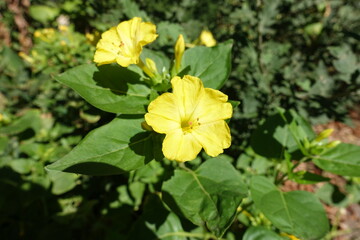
290	211
109	88
288	63
208	196
258	233
211	65
117	147
342	159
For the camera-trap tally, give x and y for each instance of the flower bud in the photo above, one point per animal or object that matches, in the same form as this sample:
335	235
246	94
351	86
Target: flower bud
151	65
324	134
332	144
179	51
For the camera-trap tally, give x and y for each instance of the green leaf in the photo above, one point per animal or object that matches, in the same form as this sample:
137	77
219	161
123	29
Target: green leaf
43	13
22	166
260	233
10	62
208	196
4	141
314	29
117	147
131	9
298	212
62	182
346	61
157	223
110	88
304	177
137	190
332	195
211	65
168	33
283	130
31	119
344	159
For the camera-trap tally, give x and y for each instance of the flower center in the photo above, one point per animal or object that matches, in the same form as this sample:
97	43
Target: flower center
190	124
120	48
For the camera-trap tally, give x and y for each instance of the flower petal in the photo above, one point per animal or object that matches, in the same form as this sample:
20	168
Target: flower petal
123	43
104	57
163	114
147	33
165	105
161	124
125	61
187	91
180	147
213	137
108	47
213	106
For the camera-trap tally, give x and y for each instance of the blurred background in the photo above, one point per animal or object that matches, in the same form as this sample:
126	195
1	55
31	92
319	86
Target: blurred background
301	55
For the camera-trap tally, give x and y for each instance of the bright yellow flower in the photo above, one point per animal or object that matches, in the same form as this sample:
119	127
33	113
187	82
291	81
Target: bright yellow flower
123	44
207	39
192	117
179	51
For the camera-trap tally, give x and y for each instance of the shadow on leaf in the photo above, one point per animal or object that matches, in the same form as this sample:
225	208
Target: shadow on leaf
116	78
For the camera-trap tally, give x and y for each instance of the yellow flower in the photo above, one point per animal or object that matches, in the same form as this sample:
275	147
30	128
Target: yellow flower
123	43
192	117
93	38
179	51
207	39
37	34
63	28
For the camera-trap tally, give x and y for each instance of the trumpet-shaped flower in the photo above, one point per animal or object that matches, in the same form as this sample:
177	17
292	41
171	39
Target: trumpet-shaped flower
192	117
123	43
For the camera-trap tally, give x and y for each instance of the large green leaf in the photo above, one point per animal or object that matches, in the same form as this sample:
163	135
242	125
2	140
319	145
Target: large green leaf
212	65
208	196
109	87
117	147
299	213
343	159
